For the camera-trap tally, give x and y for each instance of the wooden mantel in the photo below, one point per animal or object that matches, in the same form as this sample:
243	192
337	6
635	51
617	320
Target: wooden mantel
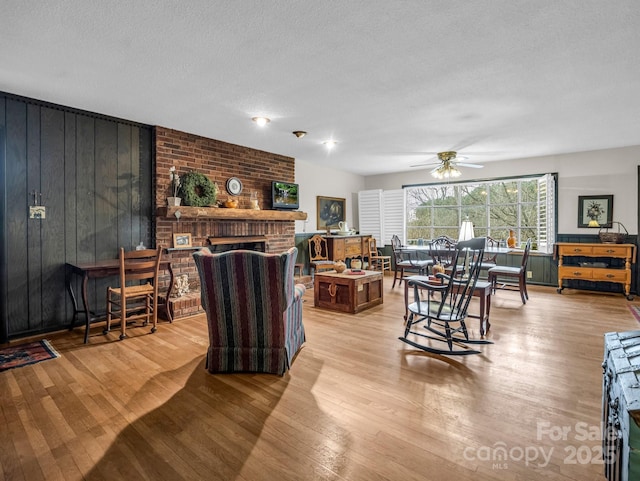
231	214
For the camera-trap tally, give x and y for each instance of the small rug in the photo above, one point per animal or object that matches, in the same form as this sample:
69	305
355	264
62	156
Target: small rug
25	354
635	310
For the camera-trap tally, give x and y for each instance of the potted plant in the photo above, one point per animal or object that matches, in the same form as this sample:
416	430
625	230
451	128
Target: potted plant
174	200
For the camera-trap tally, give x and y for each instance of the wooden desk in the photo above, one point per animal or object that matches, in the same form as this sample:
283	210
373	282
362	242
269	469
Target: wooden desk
100	269
482	291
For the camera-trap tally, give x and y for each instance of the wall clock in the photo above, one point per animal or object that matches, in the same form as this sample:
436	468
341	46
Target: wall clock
234	186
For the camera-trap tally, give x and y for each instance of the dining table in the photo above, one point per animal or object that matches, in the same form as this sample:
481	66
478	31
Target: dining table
102	269
426	249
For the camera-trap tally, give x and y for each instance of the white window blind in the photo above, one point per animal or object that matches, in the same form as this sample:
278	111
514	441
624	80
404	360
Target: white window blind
394	217
546	213
370	213
382	214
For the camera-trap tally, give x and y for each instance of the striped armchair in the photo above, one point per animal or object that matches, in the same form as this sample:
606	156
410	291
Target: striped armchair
254	310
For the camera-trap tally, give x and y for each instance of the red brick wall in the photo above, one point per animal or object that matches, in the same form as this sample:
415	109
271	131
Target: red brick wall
218	161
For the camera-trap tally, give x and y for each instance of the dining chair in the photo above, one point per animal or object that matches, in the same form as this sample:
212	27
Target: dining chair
319	255
442	250
406	260
137	295
489	258
509	272
377	262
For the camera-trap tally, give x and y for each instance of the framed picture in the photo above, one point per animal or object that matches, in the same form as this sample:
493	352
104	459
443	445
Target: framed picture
181	240
595	210
330	211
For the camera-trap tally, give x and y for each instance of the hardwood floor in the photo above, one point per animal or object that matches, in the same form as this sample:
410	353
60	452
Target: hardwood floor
358	404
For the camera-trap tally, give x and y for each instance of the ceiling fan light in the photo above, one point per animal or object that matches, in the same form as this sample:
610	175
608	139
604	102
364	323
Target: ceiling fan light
445	172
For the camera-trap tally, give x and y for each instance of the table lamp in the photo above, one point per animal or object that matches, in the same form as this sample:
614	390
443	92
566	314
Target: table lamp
466	230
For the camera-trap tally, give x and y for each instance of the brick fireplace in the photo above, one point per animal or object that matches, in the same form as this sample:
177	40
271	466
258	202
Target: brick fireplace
218	161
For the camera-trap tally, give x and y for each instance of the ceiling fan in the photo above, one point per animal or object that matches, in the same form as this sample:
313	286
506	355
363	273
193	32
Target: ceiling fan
448	165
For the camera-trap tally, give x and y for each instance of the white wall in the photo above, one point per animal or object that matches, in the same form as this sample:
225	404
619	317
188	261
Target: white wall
602	172
317	180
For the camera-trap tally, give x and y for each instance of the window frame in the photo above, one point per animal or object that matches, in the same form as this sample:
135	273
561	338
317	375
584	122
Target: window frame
546	207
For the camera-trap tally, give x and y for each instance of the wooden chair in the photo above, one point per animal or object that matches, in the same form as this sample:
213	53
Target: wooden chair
377	262
319	254
442	250
133	299
519	273
489	259
406	260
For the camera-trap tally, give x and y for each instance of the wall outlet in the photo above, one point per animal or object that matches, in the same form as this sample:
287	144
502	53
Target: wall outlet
529	274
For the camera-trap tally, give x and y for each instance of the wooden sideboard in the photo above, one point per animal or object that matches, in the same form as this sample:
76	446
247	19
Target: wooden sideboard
596	271
342	247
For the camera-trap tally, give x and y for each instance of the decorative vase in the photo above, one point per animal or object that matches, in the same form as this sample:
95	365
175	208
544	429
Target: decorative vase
253	201
512	240
437	269
339	266
356	264
174	201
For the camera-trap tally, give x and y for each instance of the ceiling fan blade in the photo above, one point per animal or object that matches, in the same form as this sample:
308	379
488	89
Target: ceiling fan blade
464	153
473	166
426	165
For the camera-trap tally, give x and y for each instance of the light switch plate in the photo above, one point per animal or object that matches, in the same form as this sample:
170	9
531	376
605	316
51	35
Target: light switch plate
37	212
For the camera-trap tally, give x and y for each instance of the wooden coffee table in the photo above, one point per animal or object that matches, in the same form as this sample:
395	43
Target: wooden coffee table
348	292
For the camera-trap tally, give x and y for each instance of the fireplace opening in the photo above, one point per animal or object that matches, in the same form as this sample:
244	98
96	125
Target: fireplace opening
223	244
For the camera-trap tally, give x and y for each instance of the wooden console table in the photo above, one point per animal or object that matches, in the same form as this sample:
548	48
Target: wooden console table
596	271
342	247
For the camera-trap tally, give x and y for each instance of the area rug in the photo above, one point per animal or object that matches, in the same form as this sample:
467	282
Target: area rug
635	310
25	354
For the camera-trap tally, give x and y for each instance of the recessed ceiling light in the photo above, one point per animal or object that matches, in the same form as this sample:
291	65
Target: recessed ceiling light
261	121
330	144
299	133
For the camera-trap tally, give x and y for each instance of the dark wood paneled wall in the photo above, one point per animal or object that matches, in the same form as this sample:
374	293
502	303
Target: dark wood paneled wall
95	176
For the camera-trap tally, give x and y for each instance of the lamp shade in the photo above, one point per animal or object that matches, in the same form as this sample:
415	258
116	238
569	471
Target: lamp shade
466	230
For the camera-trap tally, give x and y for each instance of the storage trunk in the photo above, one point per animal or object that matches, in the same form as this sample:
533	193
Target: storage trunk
621	406
347	292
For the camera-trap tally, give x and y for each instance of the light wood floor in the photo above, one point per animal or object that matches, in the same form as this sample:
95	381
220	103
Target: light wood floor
358	404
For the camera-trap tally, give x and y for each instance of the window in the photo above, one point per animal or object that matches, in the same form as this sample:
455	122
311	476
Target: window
525	205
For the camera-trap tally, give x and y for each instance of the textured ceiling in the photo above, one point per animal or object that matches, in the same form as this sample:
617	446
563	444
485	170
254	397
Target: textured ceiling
392	81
